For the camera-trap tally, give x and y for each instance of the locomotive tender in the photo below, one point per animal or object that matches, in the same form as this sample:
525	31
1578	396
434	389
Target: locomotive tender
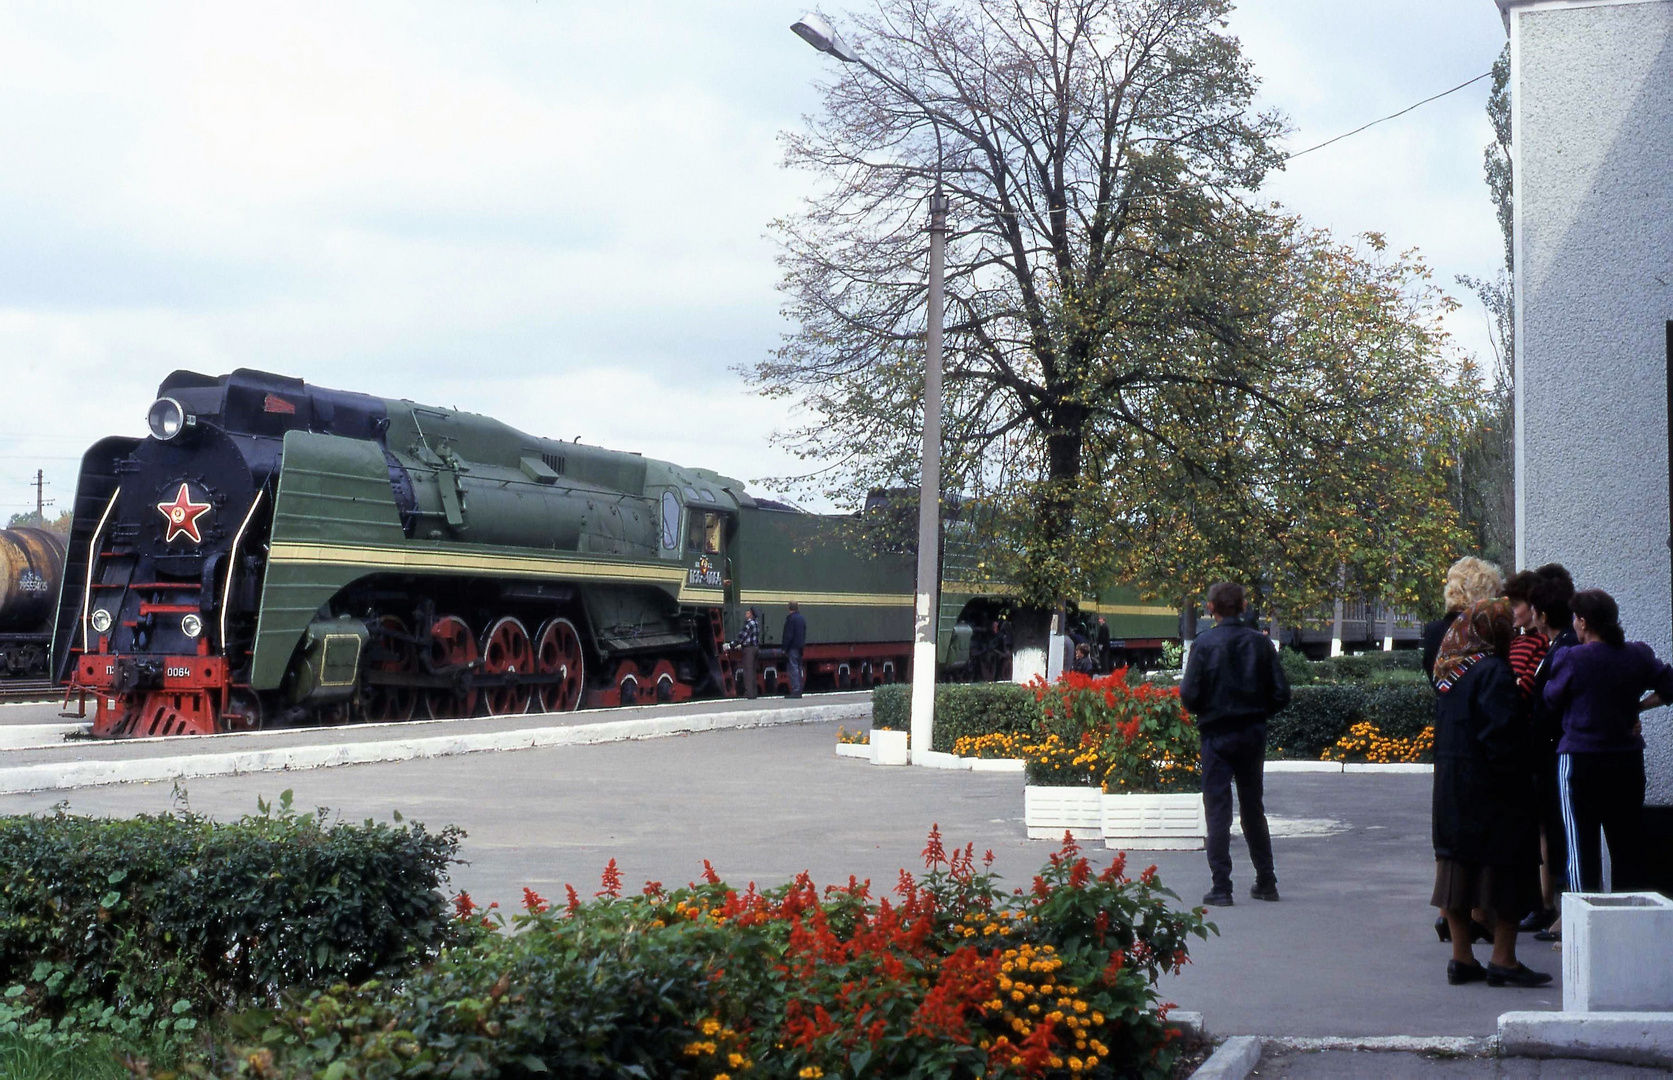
278	553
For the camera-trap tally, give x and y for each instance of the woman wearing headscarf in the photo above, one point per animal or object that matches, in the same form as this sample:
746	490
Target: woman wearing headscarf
1486	825
1467	580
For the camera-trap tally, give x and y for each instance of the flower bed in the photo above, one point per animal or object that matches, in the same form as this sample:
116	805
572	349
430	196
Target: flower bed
1110	733
1364	742
1320	715
952	977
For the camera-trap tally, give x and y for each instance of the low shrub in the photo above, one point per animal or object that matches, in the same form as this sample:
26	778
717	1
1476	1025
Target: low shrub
1319	715
1359	667
144	926
1298	670
961	710
953	978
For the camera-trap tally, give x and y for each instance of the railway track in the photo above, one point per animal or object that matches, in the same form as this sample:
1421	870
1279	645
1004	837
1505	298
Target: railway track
30	690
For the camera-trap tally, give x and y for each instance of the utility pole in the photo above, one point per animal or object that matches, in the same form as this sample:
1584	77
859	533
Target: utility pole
41	503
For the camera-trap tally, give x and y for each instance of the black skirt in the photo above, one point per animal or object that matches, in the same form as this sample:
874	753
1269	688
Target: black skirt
1509	892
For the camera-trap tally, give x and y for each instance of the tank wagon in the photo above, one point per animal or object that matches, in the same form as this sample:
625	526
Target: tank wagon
31	563
279	553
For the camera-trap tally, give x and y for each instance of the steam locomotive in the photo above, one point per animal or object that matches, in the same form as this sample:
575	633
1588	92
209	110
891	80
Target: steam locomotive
279	553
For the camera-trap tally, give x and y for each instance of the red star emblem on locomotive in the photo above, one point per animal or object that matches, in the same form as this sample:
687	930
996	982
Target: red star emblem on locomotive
182	515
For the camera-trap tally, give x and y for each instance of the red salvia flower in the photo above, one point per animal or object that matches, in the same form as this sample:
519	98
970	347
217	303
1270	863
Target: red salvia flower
463	906
709	874
574	904
533	901
611	880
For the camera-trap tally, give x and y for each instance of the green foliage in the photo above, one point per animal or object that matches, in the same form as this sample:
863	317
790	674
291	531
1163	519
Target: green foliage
24	1058
961	709
706	981
1320	714
1299	670
1366	666
142	927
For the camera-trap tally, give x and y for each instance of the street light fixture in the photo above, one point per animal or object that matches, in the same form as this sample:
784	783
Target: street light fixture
818	33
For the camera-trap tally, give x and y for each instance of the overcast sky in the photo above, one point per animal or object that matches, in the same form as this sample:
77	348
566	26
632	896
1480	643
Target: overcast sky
549	212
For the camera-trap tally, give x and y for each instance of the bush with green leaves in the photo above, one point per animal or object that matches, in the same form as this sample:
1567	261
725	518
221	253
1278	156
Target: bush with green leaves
961	709
142	927
1320	714
951	977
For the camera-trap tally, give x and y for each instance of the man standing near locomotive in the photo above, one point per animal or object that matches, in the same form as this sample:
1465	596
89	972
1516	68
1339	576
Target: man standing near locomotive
1232	685
795	640
749	643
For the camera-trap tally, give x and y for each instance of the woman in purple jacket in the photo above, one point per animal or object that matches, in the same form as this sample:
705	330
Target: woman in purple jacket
1598	686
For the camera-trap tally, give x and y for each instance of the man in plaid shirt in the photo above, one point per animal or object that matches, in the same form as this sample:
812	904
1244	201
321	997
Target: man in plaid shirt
749	642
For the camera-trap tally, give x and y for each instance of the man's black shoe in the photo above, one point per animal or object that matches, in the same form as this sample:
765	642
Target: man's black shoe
1458	974
1520	975
1537	919
1219	898
1264	892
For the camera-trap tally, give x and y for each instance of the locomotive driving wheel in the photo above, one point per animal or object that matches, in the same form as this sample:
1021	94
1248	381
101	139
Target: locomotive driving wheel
557	651
506	650
452	649
397	655
664	680
627	682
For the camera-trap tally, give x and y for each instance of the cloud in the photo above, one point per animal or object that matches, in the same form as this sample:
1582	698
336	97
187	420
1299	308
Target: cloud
548	212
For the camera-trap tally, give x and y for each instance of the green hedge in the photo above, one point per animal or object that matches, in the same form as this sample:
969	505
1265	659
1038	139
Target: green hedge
1391	666
960	709
1318	715
146	924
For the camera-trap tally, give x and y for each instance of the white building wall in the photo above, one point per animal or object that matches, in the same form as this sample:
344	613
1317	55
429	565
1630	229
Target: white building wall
1592	95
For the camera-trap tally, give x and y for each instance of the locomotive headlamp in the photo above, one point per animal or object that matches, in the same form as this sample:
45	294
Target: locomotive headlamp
168	418
100	620
191	626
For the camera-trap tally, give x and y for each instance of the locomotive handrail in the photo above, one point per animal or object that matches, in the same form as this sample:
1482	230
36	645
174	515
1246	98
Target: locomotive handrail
92	560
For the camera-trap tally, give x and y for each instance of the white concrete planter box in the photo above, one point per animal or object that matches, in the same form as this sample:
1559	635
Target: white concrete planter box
855	750
998	764
1616	950
889	747
1135	822
1049	812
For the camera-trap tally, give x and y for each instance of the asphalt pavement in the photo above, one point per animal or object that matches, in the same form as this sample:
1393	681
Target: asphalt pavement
1348	951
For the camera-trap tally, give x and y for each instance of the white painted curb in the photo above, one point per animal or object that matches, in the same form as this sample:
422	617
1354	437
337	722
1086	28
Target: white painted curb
854	750
77	774
1634	1038
1389	767
1233	1060
1001	764
1291	765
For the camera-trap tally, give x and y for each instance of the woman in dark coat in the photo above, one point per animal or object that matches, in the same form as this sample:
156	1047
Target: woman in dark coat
1486	819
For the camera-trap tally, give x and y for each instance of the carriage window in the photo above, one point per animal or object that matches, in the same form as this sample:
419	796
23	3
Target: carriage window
703	533
670	521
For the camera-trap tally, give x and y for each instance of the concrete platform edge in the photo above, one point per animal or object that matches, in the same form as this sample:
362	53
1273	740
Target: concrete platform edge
1632	1038
68	775
1233	1059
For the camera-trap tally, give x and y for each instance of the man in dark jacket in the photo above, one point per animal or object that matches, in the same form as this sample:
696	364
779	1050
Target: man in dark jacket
795	640
1233	683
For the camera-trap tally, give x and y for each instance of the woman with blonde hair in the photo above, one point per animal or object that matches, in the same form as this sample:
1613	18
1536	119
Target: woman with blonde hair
1467	580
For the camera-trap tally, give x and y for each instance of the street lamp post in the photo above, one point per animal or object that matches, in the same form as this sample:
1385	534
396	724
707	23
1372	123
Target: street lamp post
818	33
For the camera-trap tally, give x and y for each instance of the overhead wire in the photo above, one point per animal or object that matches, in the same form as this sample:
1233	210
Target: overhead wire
1390	116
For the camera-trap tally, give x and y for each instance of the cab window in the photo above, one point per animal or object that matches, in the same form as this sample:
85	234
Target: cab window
703	532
